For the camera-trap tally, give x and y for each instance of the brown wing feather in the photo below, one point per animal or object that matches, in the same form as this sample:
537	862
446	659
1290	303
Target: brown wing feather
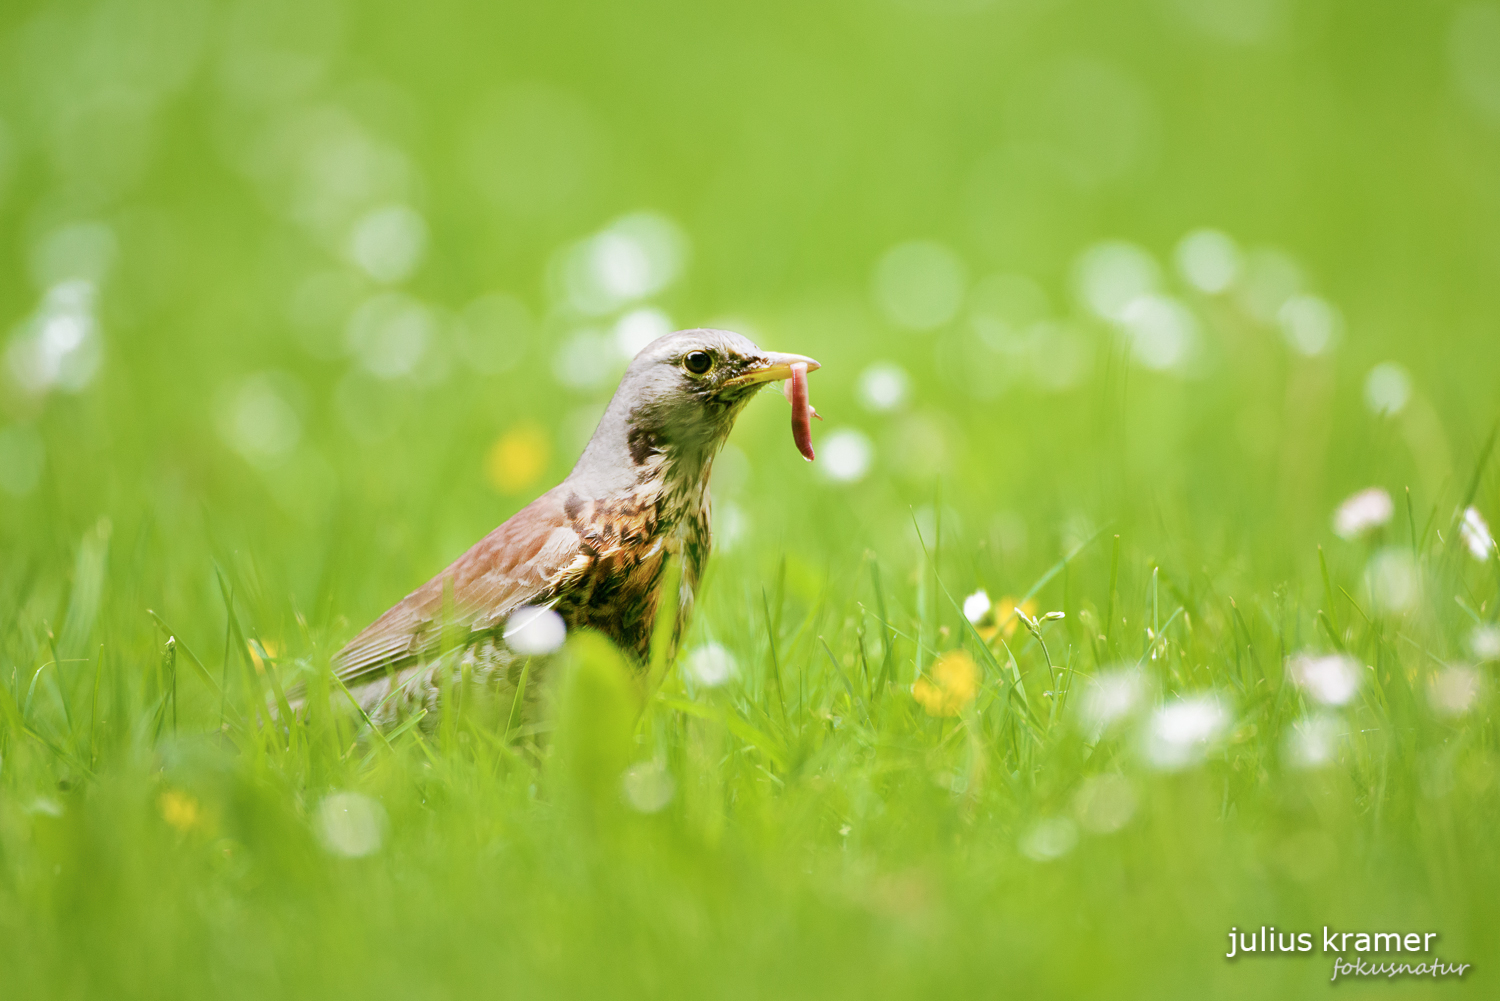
517	564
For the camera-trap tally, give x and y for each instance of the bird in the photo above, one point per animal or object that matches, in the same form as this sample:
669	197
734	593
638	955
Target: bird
593	549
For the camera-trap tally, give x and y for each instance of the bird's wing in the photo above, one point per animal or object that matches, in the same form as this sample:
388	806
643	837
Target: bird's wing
519	563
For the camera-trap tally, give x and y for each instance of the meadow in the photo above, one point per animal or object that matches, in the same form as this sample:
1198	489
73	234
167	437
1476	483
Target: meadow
1143	593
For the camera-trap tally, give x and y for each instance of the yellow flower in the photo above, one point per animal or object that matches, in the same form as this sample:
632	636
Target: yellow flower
180	810
518	458
949	685
1002	620
262	651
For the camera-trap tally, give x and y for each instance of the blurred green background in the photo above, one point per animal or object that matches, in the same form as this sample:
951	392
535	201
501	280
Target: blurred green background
299	299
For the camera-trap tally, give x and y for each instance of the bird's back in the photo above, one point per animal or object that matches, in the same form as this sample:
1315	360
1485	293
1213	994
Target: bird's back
597	562
513	565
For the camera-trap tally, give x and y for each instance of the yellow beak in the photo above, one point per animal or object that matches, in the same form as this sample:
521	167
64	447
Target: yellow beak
775	367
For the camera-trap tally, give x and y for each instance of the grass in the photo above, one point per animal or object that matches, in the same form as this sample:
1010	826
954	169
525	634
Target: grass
824	834
290	425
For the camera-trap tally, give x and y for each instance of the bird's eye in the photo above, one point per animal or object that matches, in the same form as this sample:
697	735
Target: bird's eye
698	362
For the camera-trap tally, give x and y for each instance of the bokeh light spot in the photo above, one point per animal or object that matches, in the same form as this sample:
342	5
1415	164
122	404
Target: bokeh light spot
1001	307
636	256
1108	699
275	51
647	786
1049	839
711	665
587	359
731	526
1110	275
390	332
919	285
921	450
1312	742
845	455
1208	260
1387	389
1312	326
1484	643
1237	22
259	420
388	242
319	309
884	386
1395	581
1455	691
1162	331
1474	56
1271	278
1060	355
1104	803
638	328
59	346
350	824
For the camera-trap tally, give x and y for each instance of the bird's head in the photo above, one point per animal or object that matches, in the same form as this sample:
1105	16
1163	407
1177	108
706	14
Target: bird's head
678	400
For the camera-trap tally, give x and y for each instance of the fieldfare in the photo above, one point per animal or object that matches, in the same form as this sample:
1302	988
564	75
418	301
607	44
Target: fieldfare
592	549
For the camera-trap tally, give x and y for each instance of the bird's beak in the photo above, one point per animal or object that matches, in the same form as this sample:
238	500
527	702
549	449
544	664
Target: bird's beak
774	367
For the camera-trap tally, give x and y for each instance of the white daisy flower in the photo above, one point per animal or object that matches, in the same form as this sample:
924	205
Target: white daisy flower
1331	680
1475	534
1365	511
1181	732
976	605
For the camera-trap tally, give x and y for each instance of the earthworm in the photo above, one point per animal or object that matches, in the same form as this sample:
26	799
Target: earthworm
802	410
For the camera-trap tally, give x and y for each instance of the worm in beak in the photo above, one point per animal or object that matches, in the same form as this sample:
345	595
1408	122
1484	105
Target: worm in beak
802	410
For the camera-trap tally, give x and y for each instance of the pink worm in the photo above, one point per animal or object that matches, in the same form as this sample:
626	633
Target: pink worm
802	410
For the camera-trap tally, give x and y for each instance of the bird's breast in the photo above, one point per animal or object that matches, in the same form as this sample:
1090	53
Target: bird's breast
626	541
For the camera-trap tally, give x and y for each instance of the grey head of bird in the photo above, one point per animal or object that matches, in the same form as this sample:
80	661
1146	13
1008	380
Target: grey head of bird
674	409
